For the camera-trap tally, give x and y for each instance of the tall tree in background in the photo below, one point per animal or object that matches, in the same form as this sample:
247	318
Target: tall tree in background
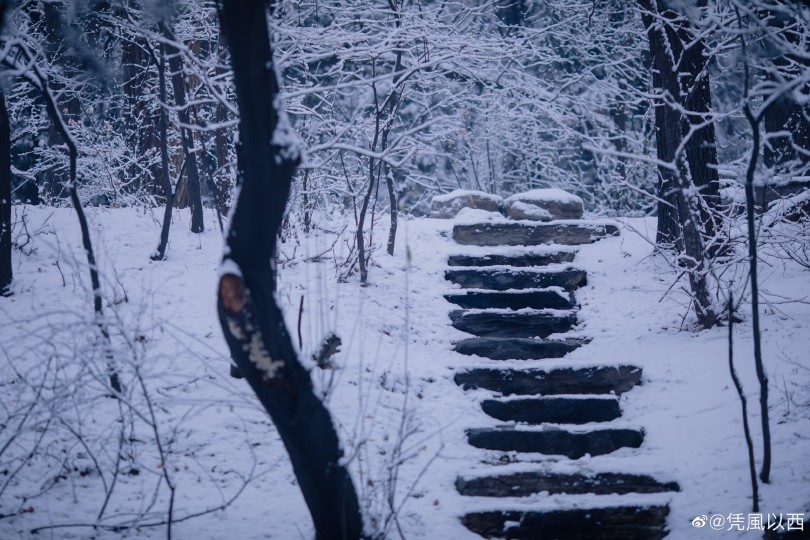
684	145
786	121
178	79
142	118
252	321
5	196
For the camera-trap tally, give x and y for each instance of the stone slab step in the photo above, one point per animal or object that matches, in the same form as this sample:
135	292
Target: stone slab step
592	380
527	483
554	441
613	523
539	299
520	234
498	348
530	259
554	410
519	325
503	279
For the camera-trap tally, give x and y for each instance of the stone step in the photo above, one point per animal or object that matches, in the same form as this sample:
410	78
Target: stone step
539	299
516	348
503	278
554	410
529	259
611	523
521	234
555	441
505	324
527	483
592	380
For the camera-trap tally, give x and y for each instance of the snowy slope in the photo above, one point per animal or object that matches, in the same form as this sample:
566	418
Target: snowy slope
399	413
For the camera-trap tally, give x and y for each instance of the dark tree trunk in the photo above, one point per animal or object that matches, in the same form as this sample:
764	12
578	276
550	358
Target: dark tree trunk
51	180
252	321
224	178
787	127
681	223
141	121
186	135
5	198
394	208
786	122
168	190
667	127
701	146
689	91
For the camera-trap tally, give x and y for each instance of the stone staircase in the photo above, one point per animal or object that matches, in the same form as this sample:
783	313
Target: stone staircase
518	308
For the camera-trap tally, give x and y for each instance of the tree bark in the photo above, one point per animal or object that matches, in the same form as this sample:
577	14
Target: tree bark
667	126
141	121
40	81
681	221
252	321
701	145
50	182
186	135
786	122
160	252
690	91
5	198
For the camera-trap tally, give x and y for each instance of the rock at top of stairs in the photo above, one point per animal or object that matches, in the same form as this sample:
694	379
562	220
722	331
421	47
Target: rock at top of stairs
544	205
446	206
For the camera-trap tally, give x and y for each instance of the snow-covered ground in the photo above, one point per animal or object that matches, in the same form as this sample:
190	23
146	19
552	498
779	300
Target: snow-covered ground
399	413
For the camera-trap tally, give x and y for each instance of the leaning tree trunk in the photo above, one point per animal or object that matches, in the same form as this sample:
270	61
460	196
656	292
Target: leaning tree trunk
40	81
252	321
5	198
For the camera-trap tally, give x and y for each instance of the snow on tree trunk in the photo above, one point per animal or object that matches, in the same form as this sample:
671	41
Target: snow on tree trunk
252	321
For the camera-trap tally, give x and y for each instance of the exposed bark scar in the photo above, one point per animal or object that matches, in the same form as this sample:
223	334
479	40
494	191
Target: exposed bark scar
232	293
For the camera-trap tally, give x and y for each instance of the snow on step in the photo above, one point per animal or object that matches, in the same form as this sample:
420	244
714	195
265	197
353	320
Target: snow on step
521	234
549	298
555	410
501	279
512	324
529	259
592	380
524	484
555	441
544	205
611	523
516	348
